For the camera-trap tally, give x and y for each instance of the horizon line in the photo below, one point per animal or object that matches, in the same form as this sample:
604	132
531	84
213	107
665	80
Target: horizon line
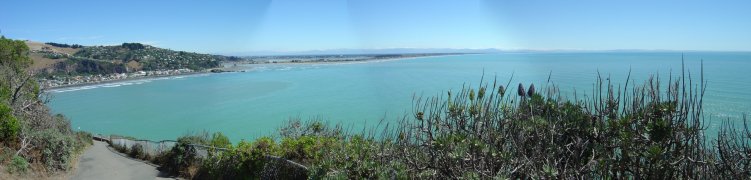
353	51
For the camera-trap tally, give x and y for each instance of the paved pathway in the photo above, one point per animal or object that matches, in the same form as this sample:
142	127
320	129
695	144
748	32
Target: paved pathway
101	162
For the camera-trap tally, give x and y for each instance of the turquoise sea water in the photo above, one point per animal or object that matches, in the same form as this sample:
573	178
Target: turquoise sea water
252	104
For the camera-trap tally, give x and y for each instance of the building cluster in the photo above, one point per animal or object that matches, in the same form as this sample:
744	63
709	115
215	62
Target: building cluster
155	58
60	81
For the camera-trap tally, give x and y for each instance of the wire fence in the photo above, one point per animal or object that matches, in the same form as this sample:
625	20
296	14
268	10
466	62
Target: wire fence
154	148
275	166
147	147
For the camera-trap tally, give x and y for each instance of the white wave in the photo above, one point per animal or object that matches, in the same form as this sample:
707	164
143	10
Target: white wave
119	84
112	85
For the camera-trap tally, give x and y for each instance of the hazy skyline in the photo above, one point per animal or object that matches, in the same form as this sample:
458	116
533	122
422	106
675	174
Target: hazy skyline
240	27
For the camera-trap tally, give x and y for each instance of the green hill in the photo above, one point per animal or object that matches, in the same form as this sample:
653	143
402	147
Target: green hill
152	58
128	57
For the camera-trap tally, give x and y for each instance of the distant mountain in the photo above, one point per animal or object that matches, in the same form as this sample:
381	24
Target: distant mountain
64	59
400	51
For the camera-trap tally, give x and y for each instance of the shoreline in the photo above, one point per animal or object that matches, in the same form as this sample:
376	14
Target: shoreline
245	67
364	60
122	80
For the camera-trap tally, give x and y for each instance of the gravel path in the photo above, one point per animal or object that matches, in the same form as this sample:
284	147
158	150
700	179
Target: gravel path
101	162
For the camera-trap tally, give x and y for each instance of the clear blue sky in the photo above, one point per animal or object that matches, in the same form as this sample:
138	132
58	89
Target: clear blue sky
244	26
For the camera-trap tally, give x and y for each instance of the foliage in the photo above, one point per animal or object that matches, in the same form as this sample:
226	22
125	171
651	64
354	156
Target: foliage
14	55
133	46
152	58
18	165
85	138
304	148
63	45
100	60
91	66
219	140
35	136
56	148
136	151
9	125
183	159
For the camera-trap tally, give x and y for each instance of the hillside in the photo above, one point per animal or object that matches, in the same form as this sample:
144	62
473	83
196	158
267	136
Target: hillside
45	55
63	59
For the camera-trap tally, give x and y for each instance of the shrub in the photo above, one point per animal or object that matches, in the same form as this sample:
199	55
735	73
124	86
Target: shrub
57	149
136	151
183	159
246	160
219	140
18	165
254	159
85	138
9	125
225	165
6	154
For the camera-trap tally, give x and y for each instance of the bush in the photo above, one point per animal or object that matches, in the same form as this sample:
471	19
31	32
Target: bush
136	151
219	140
18	165
9	125
183	159
57	149
63	45
133	46
225	165
85	138
257	159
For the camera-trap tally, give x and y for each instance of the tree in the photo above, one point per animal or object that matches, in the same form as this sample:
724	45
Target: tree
13	63
133	46
25	123
14	54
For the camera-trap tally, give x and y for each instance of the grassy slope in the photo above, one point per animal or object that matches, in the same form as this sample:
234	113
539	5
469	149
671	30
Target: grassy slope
160	58
40	62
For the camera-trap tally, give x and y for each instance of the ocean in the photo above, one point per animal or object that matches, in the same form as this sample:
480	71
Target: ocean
247	105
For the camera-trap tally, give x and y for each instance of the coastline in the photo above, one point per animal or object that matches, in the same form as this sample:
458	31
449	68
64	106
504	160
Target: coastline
244	68
360	61
123	80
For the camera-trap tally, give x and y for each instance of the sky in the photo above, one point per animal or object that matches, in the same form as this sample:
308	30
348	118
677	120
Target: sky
244	27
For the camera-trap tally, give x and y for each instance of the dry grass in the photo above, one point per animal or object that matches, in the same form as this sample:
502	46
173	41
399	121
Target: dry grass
134	65
38	46
40	62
